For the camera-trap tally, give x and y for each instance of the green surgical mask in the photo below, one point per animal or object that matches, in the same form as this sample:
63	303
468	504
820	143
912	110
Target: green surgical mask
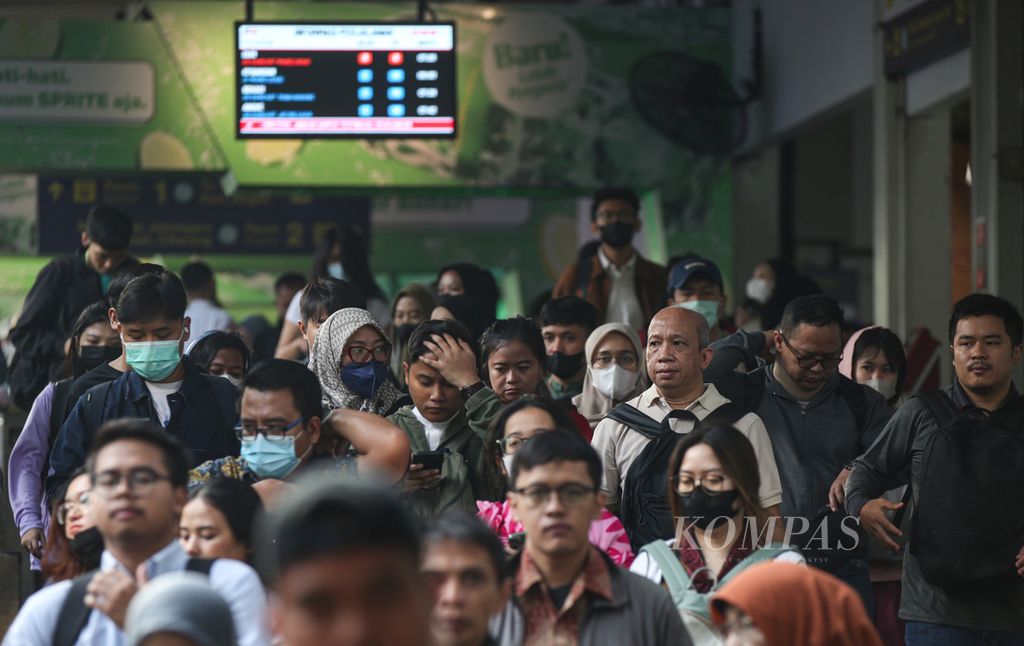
707	309
105	283
153	360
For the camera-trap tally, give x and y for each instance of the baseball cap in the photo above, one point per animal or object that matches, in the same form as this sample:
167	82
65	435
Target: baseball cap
691	266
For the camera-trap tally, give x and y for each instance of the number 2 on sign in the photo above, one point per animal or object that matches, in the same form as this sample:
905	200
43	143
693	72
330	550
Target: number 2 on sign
293	233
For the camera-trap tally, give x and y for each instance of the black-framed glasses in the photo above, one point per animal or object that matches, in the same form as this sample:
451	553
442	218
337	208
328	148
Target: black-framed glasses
807	361
712	484
360	354
141	481
64	509
274	432
625	359
569	495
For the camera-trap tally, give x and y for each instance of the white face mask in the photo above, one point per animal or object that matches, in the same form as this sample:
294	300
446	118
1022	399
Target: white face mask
760	289
335	270
507	461
614	382
885	387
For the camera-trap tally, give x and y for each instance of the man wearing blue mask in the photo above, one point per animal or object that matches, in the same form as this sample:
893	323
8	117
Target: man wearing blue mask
160	386
695	283
284	433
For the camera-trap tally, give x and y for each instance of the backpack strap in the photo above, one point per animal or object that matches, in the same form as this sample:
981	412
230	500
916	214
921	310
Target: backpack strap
94	400
676	578
853	394
61	393
636	420
753	389
74	614
727	414
583	269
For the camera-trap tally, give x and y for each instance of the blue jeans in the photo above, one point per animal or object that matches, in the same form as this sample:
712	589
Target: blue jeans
920	633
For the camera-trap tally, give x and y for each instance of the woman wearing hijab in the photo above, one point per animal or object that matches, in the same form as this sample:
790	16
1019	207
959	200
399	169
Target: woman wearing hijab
874	357
784	604
182	605
615	371
412	305
351	358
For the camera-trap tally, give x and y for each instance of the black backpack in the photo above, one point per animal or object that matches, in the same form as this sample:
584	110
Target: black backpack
74	614
643	509
969	523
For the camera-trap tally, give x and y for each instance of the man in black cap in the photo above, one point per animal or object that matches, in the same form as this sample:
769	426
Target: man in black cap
696	284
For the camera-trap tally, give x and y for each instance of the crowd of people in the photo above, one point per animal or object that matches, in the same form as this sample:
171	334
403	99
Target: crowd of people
634	463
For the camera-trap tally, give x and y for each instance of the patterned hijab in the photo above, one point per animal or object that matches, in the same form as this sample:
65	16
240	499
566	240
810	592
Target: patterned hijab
593	404
325	363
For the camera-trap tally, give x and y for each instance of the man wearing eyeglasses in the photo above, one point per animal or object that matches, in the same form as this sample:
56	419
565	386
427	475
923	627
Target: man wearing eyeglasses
138	478
819	422
283	433
565	591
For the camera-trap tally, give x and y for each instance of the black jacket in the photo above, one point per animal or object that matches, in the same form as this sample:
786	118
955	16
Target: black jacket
900	445
63	288
203	418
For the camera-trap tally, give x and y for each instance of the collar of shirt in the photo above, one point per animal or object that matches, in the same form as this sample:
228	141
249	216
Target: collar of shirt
702	406
137	385
171	558
964	403
609	267
594	578
558	391
433	430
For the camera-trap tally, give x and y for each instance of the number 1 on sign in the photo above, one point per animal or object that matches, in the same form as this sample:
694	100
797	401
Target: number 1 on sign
161	191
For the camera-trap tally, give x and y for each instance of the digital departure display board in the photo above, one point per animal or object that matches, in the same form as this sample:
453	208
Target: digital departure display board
345	80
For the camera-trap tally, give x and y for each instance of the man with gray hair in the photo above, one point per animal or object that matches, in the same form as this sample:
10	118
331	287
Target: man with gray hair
677	354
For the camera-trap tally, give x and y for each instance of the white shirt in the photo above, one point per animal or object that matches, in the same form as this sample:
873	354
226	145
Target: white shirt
234	580
159	393
623	305
619	446
206	317
433	430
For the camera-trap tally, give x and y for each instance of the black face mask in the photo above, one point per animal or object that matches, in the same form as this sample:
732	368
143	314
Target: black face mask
564	366
702	508
617	234
87	546
403	332
93	356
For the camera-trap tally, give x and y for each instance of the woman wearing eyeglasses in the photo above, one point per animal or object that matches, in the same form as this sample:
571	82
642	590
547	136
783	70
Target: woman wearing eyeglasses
351	359
516	425
615	371
721	526
73	543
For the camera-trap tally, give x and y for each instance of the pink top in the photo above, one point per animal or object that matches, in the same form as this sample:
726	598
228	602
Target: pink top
606	533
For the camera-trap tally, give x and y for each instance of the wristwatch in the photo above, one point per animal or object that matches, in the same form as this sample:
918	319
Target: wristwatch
469	391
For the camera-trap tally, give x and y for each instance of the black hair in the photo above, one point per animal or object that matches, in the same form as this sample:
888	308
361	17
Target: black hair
152	297
355	259
92	314
290	280
546	448
988	305
477	283
239	503
467	529
494	482
137	430
815	310
332	519
325	296
281	374
109	227
205	349
570	310
125	276
425	330
537	303
879	338
505	331
610	193
470	312
196	276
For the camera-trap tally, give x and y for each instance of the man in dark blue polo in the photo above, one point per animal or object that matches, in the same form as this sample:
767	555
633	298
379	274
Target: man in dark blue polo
161	386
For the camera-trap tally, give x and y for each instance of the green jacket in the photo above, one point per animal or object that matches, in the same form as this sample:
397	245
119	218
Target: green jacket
462	470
